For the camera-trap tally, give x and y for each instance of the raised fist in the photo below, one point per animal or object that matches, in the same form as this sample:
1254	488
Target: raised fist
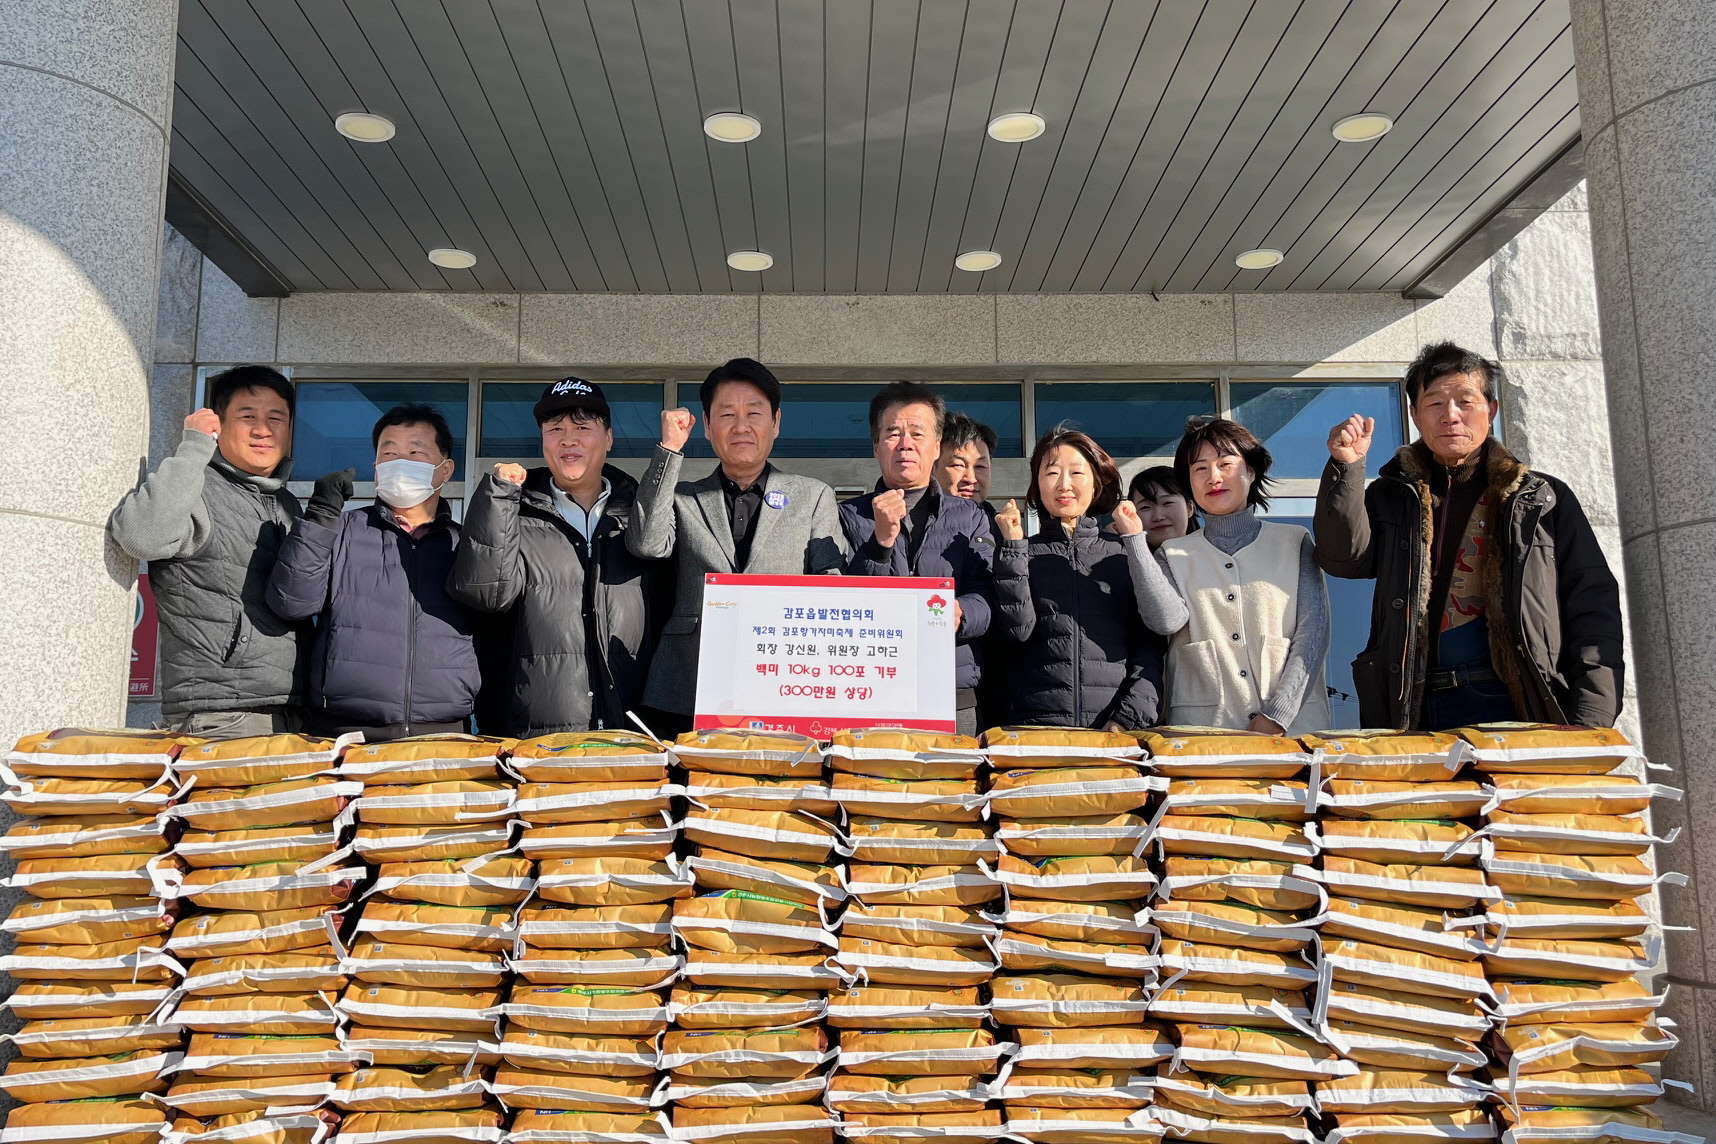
676	428
1350	440
510	473
328	498
890	510
204	421
1126	521
1009	523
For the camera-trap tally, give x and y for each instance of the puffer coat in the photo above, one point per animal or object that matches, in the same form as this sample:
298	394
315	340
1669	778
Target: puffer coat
392	648
582	615
1082	655
210	533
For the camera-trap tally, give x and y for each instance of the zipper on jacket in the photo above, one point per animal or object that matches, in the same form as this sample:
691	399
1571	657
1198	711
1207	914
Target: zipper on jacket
411	630
1078	629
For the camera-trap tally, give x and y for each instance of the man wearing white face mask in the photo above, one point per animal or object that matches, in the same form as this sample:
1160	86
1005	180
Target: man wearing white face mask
394	654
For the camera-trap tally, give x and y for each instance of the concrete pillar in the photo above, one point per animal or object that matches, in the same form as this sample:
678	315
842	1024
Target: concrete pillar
1647	94
86	90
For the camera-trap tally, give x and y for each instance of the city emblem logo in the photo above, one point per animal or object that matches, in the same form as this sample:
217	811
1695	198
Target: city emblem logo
936	605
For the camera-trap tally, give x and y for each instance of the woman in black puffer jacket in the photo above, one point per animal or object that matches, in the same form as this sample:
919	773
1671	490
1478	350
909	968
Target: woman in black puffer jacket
1067	597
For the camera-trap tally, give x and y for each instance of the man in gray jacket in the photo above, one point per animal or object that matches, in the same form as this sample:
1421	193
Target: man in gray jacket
746	516
210	521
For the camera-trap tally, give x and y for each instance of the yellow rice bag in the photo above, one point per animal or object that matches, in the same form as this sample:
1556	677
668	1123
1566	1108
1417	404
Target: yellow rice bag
1388	756
899	753
73	752
906	1007
83	835
1231	1050
447	1009
1523	748
646	925
1066	1000
1215	753
425	759
262	759
397	1089
590	756
779	753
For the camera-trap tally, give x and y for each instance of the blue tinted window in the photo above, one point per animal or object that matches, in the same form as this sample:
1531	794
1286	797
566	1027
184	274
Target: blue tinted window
509	427
1294	418
336	418
1349	617
1128	418
832	419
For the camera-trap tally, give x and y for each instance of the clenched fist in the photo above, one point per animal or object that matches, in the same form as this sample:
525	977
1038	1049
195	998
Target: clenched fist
204	421
1350	440
1009	523
676	428
890	508
510	473
1126	522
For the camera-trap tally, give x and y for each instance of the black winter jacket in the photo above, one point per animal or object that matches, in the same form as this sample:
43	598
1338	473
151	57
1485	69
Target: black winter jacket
957	542
582	615
1554	607
1083	656
392	649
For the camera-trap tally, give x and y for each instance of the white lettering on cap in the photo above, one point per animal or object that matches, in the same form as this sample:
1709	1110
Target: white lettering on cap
571	385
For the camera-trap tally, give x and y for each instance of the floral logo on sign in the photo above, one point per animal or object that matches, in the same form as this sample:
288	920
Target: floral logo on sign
936	605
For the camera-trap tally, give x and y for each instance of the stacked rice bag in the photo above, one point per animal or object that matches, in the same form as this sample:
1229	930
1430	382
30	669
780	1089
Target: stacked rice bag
1076	947
95	981
427	954
1237	910
594	952
266	884
747	1054
914	944
1404	994
1568	936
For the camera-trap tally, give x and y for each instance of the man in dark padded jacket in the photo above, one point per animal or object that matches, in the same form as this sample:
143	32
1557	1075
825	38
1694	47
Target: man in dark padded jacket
394	654
1494	601
549	546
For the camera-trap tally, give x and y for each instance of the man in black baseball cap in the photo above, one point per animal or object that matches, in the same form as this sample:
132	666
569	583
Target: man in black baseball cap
548	545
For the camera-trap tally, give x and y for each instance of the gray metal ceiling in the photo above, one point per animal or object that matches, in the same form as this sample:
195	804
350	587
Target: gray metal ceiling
561	142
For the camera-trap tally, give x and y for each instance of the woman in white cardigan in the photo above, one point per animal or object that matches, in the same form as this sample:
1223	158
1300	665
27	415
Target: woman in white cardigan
1246	606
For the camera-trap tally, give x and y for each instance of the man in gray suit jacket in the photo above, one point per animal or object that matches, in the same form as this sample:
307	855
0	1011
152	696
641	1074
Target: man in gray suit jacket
746	516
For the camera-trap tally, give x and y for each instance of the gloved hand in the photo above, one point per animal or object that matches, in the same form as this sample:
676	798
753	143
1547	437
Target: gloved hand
329	498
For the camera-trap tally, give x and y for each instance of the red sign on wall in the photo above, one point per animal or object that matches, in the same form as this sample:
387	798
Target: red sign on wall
145	638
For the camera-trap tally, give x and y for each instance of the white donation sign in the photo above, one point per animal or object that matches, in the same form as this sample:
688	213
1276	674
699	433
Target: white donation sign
814	654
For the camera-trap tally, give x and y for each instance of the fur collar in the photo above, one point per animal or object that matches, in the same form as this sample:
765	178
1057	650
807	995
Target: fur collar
1504	474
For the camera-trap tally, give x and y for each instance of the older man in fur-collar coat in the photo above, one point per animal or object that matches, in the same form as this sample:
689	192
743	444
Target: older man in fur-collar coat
1494	601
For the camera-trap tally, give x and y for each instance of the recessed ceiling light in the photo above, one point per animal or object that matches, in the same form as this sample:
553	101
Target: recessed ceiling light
1018	127
452	258
732	127
750	260
1260	259
362	127
1362	128
978	260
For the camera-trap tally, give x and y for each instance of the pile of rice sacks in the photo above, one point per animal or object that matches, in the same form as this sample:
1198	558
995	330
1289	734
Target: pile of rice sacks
752	937
747	1054
916	947
426	950
1076	947
1237	914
